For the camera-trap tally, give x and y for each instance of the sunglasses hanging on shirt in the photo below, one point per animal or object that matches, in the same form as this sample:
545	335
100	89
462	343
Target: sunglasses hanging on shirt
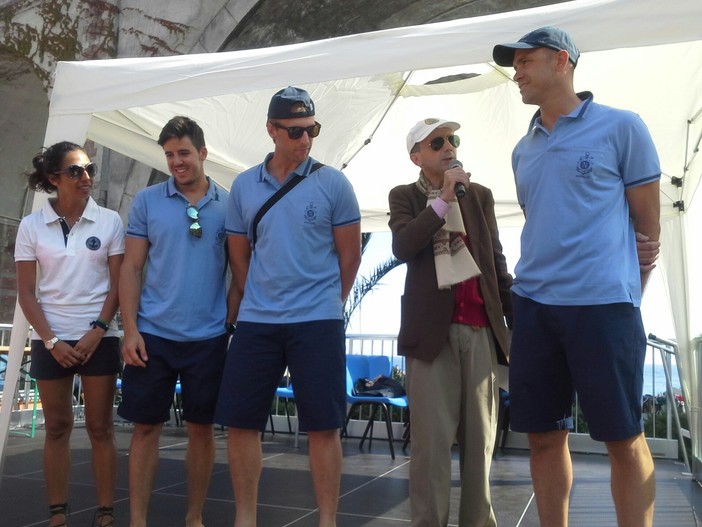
195	227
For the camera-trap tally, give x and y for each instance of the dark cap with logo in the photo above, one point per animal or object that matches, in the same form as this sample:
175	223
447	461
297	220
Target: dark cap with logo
290	103
545	37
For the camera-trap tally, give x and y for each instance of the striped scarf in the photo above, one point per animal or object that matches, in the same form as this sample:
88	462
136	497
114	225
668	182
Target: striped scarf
452	259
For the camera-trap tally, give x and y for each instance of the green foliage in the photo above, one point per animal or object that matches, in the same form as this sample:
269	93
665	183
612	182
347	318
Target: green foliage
656	422
580	423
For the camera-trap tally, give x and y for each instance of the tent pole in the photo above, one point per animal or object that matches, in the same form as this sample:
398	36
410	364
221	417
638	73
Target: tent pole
18	340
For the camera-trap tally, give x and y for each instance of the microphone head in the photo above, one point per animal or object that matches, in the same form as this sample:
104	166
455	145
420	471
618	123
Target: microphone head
456	164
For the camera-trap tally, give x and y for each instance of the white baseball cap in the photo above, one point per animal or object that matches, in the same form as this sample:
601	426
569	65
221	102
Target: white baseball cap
426	126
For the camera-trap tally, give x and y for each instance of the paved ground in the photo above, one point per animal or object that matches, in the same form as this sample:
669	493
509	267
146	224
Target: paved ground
374	487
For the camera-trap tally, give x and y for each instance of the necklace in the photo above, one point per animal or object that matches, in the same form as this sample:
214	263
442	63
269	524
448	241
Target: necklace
66	219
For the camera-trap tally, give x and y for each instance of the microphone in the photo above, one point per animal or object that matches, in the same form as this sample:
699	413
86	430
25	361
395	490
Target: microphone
460	188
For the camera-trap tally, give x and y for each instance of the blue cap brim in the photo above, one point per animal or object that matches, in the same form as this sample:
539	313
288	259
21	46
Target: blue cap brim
503	54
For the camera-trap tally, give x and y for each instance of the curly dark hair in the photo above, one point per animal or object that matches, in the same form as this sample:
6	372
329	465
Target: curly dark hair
49	162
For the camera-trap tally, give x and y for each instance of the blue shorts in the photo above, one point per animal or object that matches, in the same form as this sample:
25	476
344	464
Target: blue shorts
105	361
597	351
147	393
315	354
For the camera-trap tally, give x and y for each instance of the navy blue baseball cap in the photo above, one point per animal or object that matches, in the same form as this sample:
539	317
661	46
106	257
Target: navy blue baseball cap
545	37
290	103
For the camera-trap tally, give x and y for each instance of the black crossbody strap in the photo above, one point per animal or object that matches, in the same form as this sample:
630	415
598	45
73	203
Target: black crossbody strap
282	191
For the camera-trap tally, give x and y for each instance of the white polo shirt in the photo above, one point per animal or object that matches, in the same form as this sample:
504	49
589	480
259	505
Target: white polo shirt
73	277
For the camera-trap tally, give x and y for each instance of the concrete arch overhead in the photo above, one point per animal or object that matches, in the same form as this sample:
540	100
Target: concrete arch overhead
264	24
22	123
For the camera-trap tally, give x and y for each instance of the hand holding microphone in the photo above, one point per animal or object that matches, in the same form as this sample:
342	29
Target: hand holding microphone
459	188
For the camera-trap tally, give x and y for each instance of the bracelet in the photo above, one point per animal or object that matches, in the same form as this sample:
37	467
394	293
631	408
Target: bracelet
97	323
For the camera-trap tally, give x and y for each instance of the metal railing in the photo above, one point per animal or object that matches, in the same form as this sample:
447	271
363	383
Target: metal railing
386	344
25	398
669	350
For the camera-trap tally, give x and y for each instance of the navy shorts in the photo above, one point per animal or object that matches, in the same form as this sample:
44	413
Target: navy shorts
105	361
597	351
147	393
315	354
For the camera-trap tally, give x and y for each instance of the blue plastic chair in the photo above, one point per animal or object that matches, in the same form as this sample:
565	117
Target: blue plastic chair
178	405
285	393
369	367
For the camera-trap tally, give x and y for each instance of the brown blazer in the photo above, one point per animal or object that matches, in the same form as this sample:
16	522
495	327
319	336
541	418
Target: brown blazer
427	310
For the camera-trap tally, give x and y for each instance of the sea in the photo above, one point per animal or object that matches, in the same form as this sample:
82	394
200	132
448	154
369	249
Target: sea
654	379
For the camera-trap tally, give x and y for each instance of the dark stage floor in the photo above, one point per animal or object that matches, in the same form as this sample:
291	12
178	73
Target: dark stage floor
373	487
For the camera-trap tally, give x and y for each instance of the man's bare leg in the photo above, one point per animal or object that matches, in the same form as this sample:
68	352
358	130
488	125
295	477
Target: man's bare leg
325	465
633	481
245	461
552	476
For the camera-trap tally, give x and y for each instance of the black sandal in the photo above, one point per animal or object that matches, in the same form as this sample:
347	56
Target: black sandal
60	508
101	514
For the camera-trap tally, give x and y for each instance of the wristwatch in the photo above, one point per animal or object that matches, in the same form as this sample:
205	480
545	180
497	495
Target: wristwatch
97	323
51	343
230	327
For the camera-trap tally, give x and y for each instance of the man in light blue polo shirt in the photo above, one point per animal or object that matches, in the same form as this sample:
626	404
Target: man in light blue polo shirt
294	266
175	324
587	179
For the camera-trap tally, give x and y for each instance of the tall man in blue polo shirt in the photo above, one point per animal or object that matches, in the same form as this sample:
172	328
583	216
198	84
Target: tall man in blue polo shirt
294	269
587	178
174	325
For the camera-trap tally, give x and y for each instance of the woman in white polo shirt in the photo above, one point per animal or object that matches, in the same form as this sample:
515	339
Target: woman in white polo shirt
67	256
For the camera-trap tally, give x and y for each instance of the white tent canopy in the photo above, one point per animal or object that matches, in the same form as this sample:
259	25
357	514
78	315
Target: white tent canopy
644	55
371	87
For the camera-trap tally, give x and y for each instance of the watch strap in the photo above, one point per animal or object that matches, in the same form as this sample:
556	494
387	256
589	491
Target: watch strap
97	323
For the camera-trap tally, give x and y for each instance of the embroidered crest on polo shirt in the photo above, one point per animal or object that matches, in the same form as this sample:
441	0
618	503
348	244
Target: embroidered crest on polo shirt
93	243
221	236
584	167
311	213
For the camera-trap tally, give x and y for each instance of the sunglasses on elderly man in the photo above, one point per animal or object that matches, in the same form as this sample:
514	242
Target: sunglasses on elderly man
437	143
295	132
195	227
76	171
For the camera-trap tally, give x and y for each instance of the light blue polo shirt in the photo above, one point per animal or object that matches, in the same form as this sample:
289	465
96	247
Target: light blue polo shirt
578	244
294	271
183	297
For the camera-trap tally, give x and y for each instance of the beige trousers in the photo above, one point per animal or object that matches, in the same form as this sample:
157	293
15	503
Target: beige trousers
453	399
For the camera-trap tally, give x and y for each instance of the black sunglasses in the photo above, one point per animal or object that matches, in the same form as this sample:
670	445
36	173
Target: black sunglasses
195	227
437	143
76	171
295	132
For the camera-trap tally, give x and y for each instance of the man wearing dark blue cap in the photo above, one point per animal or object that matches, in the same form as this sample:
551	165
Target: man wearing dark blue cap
294	261
587	179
